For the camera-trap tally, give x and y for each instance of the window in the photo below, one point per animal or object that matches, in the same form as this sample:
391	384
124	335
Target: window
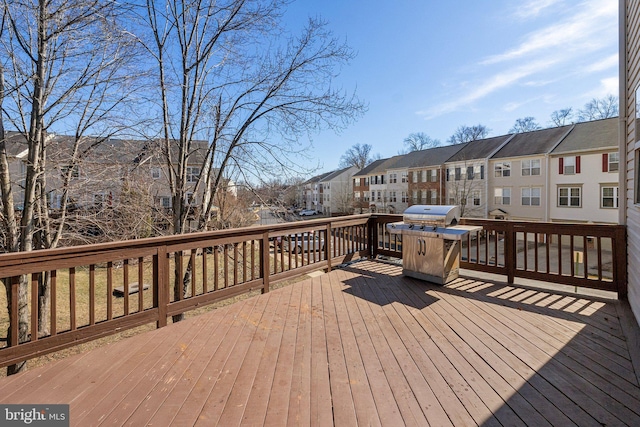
404	197
415	195
569	196
458	173
609	197
379	198
434	197
530	167
55	200
502	169
531	196
155	173
404	177
569	165
470	173
475	197
393	178
432	175
191	198
478	171
425	176
75	171
366	196
392	197
423	197
502	196
414	176
98	200
164	202
193	173
610	162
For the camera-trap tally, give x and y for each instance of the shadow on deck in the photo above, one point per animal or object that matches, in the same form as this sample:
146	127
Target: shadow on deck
363	345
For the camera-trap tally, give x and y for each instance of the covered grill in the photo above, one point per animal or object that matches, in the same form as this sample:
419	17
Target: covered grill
431	239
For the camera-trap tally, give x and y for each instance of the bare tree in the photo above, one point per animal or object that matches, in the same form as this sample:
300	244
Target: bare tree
468	133
359	155
227	77
599	108
419	141
65	70
562	117
525	124
465	187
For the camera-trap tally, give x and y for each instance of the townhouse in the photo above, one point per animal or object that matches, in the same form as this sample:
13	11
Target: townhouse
311	189
518	179
336	193
466	178
427	174
584	178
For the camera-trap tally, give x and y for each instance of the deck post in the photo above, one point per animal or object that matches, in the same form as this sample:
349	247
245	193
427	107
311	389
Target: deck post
372	226
620	261
265	268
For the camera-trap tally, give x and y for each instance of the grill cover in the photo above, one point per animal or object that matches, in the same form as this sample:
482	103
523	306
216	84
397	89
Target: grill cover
434	215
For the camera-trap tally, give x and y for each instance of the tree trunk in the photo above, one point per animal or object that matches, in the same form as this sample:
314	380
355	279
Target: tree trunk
23	319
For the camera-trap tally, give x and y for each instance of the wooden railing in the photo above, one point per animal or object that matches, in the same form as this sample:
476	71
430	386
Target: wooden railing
98	290
587	255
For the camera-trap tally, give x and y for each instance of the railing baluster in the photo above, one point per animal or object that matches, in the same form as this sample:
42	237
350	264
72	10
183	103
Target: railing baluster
571	255
235	264
92	294
559	254
535	251
192	265
216	268
205	273
225	265
109	290
54	303
599	240
178	279
34	306
140	284
547	246
15	295
585	248
125	275
244	261
72	297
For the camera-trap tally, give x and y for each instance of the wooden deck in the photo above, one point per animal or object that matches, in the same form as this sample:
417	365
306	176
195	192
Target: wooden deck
362	346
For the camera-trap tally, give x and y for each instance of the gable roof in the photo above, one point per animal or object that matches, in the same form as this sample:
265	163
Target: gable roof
316	178
335	174
532	143
430	157
479	149
594	135
373	167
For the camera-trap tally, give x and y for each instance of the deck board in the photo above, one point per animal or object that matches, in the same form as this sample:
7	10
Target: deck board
363	345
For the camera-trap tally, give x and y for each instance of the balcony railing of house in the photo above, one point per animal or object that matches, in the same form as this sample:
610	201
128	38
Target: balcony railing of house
98	290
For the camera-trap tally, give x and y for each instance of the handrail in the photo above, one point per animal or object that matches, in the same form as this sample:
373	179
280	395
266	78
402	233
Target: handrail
173	274
101	289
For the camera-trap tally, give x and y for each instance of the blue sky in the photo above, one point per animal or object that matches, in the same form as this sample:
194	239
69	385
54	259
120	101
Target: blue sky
432	65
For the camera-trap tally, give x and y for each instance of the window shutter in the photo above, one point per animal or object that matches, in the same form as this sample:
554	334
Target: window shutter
605	162
447	172
577	164
482	172
561	163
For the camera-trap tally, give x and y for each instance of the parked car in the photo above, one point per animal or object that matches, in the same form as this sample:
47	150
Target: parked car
302	242
307	212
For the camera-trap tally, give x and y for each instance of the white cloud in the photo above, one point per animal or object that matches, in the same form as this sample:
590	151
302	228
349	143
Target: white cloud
581	32
496	82
533	8
547	55
605	64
